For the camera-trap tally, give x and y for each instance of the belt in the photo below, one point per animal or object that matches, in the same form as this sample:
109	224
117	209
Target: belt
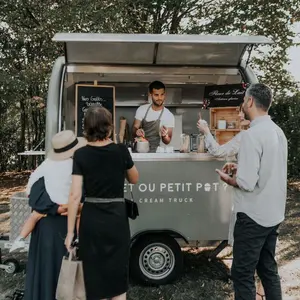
103	200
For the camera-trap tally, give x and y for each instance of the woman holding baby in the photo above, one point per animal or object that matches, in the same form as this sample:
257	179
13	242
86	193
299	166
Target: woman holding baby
48	189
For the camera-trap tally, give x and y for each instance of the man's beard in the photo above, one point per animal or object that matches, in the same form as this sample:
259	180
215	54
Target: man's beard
246	116
157	104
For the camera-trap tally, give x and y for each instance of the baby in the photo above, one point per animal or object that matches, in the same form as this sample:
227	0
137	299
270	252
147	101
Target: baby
57	173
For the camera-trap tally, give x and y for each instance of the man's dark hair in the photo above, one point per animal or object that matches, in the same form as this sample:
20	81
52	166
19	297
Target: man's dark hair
156	85
97	123
261	94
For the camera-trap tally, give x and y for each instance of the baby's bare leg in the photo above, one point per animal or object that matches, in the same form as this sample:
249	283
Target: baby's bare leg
30	223
26	230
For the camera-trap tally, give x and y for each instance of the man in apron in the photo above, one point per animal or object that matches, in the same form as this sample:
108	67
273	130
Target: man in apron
154	121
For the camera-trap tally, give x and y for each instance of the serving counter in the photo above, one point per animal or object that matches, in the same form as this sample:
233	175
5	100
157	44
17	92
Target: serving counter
176	156
182	192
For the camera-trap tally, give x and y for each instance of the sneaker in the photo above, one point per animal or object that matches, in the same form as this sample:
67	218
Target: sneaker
17	244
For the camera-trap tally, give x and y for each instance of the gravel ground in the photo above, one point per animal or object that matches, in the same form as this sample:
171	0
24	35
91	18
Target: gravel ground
201	279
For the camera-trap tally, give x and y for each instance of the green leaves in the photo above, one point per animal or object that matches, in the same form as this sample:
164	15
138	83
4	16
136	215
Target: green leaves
27	52
286	113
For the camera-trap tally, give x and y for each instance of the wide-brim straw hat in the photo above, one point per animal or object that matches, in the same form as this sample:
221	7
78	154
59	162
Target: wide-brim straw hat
64	144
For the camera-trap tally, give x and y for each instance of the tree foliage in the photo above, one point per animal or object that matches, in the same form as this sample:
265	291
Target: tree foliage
27	52
286	113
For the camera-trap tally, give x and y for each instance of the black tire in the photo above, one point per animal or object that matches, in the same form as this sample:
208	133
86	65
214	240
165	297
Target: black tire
155	260
13	264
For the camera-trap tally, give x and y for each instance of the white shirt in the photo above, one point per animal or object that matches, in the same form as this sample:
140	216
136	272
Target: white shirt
58	179
262	173
230	149
167	119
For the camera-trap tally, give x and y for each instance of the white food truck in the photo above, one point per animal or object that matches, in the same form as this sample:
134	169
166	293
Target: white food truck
181	200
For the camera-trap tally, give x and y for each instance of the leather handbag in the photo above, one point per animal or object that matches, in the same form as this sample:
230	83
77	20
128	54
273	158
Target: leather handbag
131	208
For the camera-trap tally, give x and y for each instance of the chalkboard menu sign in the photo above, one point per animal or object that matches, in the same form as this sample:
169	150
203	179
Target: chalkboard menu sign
87	95
224	95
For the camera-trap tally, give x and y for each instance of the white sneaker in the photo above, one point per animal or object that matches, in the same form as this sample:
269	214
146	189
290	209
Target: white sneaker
17	244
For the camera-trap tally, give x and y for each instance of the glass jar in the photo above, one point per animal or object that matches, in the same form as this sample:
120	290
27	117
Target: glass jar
184	143
200	143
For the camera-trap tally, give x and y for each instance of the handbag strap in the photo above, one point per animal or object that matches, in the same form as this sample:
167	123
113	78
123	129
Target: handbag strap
131	195
72	254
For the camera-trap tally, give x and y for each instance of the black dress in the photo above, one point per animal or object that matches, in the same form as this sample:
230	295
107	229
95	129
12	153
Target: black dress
104	235
46	248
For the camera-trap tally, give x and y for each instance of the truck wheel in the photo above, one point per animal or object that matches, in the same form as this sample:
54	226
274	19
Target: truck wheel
12	266
156	259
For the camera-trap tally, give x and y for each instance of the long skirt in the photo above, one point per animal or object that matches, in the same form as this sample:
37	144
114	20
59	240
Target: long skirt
104	246
45	255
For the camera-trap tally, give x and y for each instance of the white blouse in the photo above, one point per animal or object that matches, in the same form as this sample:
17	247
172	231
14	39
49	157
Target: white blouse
58	179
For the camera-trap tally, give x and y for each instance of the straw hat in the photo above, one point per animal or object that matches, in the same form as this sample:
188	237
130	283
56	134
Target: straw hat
64	145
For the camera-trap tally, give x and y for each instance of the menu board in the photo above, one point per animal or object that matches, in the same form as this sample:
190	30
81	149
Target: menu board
224	95
87	95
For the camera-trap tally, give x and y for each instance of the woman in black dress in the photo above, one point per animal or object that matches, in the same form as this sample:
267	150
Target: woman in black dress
104	236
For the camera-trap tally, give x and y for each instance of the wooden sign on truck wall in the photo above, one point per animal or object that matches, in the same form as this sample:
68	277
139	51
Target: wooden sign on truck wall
224	95
87	95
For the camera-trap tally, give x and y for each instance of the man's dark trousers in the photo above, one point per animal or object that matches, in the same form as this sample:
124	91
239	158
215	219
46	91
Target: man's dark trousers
254	249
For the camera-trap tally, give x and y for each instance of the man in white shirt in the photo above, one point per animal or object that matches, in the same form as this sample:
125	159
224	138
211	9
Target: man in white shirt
260	186
154	121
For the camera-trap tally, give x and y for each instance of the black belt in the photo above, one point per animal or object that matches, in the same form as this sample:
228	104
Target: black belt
103	200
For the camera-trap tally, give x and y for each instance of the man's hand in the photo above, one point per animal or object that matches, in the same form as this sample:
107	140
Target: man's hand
163	131
203	126
230	168
140	132
226	178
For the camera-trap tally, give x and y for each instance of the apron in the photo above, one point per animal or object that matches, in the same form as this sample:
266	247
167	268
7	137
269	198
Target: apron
151	130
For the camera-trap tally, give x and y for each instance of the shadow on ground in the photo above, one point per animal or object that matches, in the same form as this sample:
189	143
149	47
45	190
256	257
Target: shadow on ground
201	279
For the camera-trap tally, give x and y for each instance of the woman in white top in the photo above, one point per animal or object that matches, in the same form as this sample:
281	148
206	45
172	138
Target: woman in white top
48	189
57	173
228	150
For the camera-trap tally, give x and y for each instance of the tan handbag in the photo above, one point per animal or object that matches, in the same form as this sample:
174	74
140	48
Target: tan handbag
70	284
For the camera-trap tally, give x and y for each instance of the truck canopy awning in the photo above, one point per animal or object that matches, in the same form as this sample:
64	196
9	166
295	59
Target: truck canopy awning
156	49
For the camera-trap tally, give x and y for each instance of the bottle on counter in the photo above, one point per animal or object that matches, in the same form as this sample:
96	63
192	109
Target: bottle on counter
184	143
201	143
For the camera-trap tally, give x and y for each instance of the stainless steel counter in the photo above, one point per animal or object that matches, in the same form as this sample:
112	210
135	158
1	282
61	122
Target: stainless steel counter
174	157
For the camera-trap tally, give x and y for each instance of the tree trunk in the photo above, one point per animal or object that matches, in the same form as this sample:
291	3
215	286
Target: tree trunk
21	143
